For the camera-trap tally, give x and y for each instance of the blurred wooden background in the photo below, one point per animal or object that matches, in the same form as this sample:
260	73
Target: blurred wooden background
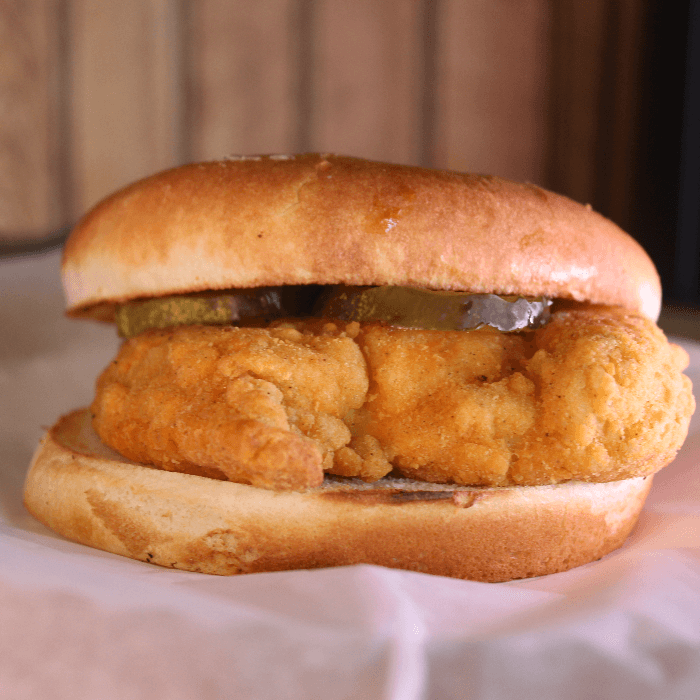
94	94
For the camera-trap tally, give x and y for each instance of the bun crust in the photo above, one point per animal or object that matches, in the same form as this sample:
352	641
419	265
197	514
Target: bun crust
323	219
89	494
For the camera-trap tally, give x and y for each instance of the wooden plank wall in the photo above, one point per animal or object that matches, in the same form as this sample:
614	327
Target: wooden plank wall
125	92
96	94
32	152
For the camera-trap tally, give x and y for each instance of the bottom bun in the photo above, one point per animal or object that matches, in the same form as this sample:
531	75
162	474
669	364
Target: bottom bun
90	494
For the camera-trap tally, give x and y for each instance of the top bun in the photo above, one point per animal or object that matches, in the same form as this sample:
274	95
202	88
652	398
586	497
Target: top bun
326	219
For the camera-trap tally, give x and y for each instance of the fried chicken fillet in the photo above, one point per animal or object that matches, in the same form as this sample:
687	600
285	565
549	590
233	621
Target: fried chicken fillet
597	394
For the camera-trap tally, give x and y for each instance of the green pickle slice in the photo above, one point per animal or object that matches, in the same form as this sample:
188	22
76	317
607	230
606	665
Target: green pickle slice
210	308
406	307
435	310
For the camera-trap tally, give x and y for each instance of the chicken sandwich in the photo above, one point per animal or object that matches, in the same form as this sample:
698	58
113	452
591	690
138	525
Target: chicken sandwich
331	361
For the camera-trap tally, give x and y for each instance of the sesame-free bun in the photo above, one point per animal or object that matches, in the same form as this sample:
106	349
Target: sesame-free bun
324	219
90	494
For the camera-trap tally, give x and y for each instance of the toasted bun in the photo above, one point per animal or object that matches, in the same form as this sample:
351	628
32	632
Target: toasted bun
322	219
89	494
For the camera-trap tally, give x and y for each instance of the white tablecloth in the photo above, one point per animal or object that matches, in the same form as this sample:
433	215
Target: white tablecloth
78	623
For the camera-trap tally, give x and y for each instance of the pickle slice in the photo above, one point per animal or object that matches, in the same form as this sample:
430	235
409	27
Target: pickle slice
436	310
211	308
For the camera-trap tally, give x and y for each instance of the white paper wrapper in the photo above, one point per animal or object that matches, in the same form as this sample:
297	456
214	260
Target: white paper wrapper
79	623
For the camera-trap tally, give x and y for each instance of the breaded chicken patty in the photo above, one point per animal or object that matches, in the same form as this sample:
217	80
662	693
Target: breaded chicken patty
597	394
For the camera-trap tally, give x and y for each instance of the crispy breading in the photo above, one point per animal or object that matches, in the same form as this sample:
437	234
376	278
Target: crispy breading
445	405
257	406
612	400
597	394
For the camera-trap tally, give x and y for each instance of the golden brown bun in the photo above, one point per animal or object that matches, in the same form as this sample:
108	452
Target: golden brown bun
87	493
322	219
